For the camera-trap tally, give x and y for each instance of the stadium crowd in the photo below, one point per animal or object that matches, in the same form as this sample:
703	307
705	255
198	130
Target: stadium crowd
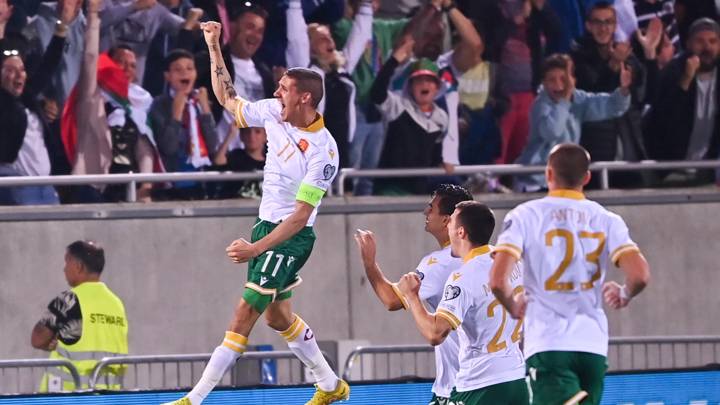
118	86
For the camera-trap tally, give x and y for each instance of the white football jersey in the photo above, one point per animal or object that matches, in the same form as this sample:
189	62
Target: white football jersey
566	242
296	157
434	269
489	338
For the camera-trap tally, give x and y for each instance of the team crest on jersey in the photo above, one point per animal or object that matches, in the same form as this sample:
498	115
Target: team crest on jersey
420	274
328	172
451	292
303	145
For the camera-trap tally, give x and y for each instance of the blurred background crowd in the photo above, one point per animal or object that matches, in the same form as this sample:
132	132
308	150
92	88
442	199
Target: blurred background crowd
119	86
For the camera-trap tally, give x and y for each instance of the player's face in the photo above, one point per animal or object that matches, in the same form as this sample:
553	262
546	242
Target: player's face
181	75
435	222
289	98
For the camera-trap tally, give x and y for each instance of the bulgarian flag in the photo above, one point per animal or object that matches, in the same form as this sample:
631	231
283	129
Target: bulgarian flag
112	80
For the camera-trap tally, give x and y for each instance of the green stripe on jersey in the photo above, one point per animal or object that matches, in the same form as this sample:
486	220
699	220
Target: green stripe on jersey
310	194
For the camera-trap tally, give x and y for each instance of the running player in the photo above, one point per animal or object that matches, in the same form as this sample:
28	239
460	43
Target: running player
302	160
433	270
492	370
566	242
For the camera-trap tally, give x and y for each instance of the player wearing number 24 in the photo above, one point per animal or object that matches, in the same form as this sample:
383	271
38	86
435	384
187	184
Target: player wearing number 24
491	366
566	243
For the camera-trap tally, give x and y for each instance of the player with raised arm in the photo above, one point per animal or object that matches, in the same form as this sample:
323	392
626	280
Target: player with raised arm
433	270
491	366
566	243
302	160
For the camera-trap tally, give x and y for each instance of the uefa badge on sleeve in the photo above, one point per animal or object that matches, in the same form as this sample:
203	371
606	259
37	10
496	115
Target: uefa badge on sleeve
328	171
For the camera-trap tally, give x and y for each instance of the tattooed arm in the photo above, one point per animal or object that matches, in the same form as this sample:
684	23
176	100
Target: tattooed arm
221	81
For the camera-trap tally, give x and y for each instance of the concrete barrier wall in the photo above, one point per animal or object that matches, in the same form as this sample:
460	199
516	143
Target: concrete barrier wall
179	288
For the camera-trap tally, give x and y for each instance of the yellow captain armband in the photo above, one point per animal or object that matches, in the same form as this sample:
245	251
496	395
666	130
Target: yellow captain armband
310	194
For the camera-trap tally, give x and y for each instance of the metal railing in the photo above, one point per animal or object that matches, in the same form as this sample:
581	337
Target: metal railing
603	167
662	352
29	382
391	369
182	370
132	179
625	354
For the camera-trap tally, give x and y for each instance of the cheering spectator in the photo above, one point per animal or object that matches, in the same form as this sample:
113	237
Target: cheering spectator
108	140
252	79
559	111
598	60
136	23
313	46
183	123
416	124
482	103
27	147
65	15
250	158
647	10
369	136
164	42
683	120
520	52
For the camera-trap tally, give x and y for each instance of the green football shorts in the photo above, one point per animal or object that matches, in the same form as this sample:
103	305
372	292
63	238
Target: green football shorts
557	377
436	400
274	273
508	393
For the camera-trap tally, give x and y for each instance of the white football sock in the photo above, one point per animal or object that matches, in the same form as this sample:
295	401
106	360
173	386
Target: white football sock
223	357
301	341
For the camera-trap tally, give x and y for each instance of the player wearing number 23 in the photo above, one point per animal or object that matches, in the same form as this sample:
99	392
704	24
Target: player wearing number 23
491	367
566	243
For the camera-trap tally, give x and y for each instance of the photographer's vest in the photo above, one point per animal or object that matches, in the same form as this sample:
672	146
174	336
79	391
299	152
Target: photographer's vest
104	334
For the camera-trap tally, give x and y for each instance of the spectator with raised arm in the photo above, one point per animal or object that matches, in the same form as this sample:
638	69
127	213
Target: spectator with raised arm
683	120
183	123
519	51
136	23
313	46
416	125
100	131
66	15
252	79
27	145
559	111
598	59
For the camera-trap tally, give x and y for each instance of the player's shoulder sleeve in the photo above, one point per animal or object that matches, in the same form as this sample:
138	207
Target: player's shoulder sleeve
456	300
323	162
433	270
513	235
618	237
255	114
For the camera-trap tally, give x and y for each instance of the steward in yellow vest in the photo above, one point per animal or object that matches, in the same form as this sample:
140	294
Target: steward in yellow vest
84	324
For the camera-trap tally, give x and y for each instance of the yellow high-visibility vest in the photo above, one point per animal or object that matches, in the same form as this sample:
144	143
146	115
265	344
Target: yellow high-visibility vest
104	334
